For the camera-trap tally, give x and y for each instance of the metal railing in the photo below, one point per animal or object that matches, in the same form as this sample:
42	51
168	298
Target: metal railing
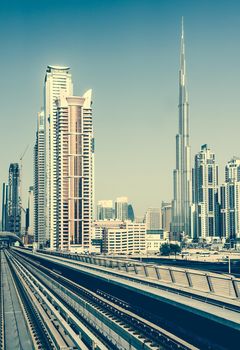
221	285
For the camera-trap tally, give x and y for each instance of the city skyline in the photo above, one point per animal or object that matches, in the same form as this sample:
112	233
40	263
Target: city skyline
161	118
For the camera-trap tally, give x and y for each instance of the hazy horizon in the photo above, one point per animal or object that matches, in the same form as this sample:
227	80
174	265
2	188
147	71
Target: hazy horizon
128	53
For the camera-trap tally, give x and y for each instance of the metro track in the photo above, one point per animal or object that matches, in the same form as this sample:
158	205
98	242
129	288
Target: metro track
24	320
169	318
152	336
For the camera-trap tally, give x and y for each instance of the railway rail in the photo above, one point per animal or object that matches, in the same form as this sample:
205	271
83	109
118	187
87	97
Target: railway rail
112	322
20	328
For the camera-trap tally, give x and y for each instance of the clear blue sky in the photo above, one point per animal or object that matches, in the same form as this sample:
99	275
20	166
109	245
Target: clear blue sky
128	52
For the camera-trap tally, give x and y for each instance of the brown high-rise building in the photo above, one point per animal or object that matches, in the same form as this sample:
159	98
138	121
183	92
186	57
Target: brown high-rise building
75	164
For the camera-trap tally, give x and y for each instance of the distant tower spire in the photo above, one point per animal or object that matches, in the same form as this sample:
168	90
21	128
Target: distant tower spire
181	218
182	53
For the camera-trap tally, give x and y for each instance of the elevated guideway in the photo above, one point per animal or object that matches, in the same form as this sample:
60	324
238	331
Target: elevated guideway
16	333
192	300
111	324
33	319
10	238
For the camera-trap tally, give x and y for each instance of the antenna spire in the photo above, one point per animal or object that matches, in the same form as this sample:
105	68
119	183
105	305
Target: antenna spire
182	52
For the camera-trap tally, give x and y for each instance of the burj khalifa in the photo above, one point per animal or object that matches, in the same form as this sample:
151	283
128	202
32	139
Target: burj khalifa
182	177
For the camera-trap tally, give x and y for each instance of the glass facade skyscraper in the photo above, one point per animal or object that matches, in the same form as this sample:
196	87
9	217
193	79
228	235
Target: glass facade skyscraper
205	192
14	202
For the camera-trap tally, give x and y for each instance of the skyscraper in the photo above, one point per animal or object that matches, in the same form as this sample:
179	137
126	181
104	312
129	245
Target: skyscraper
230	202
131	215
14	203
121	208
105	210
166	216
182	184
39	181
75	166
57	79
153	219
206	195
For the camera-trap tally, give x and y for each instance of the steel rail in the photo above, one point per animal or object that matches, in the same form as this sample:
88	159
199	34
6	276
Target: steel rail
33	341
59	331
64	316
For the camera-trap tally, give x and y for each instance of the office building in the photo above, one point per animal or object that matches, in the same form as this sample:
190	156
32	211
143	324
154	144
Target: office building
230	202
205	195
75	166
14	202
166	216
121	208
57	79
98	228
105	210
154	240
40	234
126	238
182	177
153	219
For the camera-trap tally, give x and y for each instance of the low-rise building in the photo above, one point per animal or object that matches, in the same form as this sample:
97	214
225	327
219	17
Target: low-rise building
154	240
127	237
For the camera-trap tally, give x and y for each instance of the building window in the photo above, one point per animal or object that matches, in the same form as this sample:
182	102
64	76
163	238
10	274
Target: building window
210	175
210	199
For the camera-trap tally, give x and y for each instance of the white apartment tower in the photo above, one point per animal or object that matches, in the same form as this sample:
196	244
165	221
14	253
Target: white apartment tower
74	170
182	177
57	79
39	181
205	192
230	201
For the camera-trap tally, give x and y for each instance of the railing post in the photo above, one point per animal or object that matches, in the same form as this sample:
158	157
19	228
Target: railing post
145	270
210	285
236	289
126	267
172	275
157	273
135	269
190	284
